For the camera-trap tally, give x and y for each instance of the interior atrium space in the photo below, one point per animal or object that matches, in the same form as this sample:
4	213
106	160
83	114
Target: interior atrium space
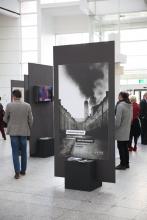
75	63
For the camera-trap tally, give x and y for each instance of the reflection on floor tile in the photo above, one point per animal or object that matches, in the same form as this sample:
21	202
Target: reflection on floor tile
74	215
41	196
141	216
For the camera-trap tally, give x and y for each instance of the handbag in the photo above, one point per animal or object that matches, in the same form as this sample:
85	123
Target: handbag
4	124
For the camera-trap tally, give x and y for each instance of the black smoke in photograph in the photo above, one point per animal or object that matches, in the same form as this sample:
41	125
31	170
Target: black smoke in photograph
85	75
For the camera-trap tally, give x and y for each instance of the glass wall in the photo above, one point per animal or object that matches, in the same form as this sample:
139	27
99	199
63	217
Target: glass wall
29	32
134	45
133	40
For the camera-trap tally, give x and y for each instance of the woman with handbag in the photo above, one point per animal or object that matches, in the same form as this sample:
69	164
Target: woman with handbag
123	119
135	126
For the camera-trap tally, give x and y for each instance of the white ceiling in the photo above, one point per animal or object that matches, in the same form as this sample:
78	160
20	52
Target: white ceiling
124	18
62	9
103	7
129	11
119	6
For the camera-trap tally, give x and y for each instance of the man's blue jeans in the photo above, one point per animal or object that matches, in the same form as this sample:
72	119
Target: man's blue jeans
19	143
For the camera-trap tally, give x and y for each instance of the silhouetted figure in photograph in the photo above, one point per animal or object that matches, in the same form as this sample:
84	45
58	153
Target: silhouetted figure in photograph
143	119
19	119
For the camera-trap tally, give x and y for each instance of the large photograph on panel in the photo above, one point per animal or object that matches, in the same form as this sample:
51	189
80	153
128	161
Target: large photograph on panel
83	94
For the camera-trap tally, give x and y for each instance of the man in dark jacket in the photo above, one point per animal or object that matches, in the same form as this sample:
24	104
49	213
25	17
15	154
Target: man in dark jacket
143	119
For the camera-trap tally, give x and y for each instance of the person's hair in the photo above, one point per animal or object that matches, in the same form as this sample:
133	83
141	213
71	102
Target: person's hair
16	93
133	98
145	94
125	96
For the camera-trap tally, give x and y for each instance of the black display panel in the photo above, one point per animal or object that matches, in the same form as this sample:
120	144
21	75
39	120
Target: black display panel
84	106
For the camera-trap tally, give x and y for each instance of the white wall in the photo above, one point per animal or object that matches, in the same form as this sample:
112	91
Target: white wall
117	85
71	24
58	25
47	39
10	55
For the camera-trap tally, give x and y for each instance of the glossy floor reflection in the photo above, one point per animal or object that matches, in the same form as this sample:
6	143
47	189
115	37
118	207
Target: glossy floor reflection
41	196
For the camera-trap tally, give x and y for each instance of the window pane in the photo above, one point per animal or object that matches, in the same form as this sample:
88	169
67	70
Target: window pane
136	71
27	20
133	35
132	81
29	7
25	68
107	34
134	48
136	62
29	44
123	82
29	32
96	37
29	57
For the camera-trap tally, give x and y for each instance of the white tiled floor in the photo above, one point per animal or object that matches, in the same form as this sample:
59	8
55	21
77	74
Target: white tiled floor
41	196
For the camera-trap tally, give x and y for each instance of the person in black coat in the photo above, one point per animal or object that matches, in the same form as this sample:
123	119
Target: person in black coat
1	121
143	119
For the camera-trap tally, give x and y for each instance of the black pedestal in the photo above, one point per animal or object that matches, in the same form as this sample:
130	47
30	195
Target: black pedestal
81	175
45	147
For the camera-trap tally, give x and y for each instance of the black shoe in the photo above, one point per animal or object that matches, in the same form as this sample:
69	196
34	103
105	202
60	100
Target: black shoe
22	173
120	167
17	176
127	166
144	142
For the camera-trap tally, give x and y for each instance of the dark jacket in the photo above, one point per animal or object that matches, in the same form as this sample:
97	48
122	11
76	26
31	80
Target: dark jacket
1	115
136	110
143	109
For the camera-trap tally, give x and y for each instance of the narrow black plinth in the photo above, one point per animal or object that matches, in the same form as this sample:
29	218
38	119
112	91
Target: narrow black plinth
81	175
45	147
